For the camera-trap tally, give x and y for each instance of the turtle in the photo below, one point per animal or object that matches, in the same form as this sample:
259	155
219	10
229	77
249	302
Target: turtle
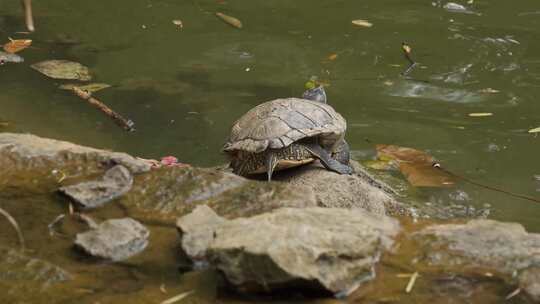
289	132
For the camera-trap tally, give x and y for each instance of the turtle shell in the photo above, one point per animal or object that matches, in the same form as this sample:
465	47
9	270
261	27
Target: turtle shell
278	123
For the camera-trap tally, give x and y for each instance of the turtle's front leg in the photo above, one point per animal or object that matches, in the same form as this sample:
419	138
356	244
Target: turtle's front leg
327	161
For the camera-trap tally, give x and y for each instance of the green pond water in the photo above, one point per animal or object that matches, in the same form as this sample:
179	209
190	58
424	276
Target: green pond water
183	88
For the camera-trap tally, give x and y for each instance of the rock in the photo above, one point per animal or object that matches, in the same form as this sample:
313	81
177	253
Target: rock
116	182
170	192
504	249
324	248
21	273
37	164
116	239
333	190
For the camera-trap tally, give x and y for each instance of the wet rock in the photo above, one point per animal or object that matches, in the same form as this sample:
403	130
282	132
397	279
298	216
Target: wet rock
30	162
116	239
116	182
20	272
170	192
322	248
503	249
333	190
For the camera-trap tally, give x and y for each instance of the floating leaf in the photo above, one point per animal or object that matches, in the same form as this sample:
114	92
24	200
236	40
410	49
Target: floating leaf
178	23
362	22
63	69
230	20
416	166
332	56
92	87
535	130
480	114
16	45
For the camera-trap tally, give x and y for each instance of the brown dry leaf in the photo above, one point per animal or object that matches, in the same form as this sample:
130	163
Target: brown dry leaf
332	56
16	45
230	20
416	166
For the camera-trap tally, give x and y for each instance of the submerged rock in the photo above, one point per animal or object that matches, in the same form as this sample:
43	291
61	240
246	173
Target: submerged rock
116	182
21	273
503	249
316	248
115	240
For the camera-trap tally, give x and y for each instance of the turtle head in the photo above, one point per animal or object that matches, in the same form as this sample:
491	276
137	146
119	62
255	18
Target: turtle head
314	91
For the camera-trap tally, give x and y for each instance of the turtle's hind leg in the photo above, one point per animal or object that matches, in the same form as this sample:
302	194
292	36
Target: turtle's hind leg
271	163
327	161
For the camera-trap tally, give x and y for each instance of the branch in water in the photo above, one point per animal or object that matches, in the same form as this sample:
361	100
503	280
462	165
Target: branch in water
13	223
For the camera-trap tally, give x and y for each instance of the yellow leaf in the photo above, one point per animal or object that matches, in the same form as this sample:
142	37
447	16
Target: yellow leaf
332	56
230	20
362	22
535	130
480	114
14	46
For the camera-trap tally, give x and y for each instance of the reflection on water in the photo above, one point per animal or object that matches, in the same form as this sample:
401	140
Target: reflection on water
418	89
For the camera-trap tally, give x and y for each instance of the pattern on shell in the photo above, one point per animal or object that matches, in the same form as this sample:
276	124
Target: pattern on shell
278	123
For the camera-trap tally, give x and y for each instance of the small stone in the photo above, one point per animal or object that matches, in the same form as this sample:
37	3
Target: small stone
116	182
116	239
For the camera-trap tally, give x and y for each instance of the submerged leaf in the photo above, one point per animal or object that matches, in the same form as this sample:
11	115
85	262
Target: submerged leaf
415	165
230	20
332	56
362	22
63	69
92	87
14	46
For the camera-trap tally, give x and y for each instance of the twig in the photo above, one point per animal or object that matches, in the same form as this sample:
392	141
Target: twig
13	223
412	280
177	298
513	294
52	231
522	196
407	53
127	124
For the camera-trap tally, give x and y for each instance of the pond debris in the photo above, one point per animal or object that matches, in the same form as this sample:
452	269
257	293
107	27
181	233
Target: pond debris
412	280
52	225
16	45
332	57
10	58
178	23
92	87
230	20
28	18
127	124
63	69
362	22
513	294
535	130
482	114
489	91
177	297
407	50
15	226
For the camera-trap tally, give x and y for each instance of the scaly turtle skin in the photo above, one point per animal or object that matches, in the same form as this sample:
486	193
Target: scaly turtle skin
285	133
